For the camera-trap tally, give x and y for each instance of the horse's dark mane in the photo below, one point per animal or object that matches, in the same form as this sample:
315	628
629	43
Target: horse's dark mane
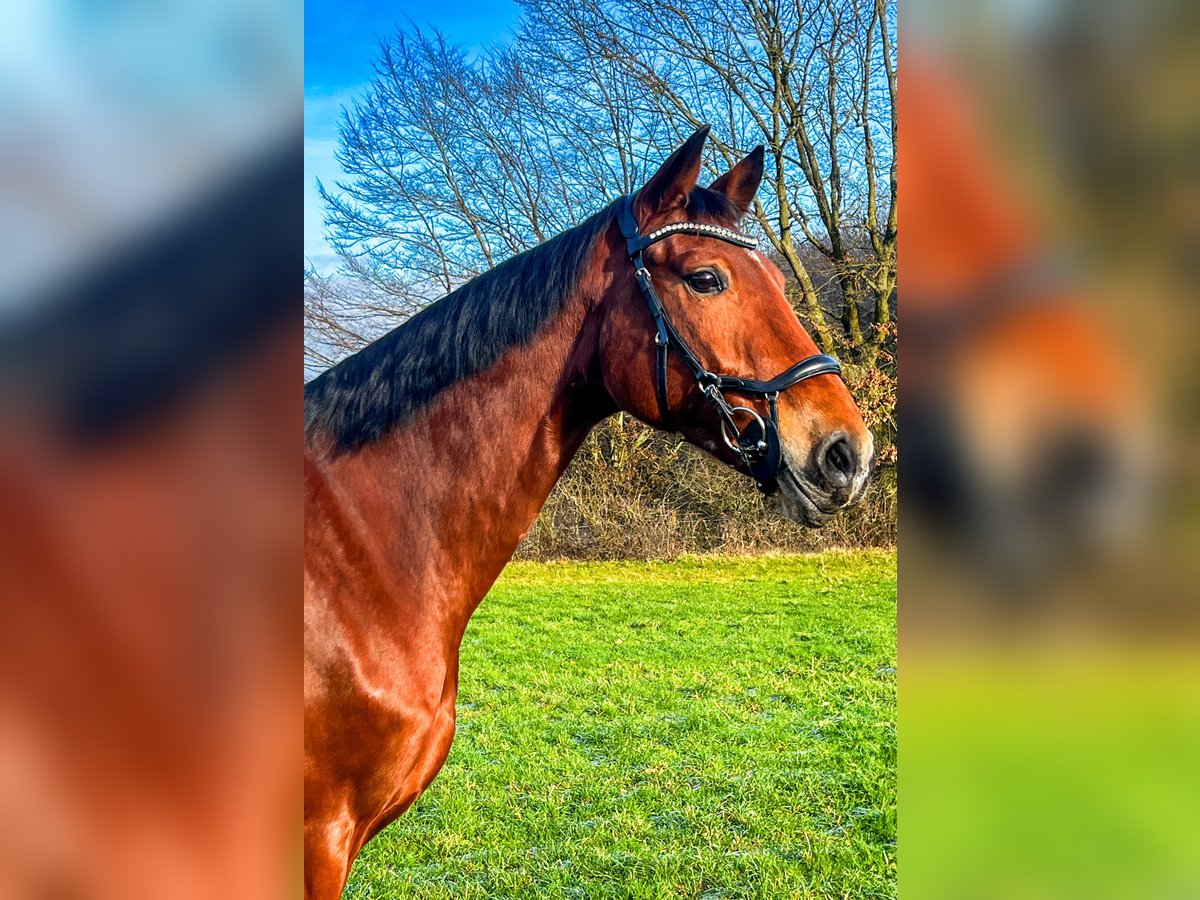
365	395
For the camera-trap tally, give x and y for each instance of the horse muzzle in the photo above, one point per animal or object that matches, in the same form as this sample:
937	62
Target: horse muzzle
834	476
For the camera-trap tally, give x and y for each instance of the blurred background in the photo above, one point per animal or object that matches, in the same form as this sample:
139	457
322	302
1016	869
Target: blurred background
150	227
1048	577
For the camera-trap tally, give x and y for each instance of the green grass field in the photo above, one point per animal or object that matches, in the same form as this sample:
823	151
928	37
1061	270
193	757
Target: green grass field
707	728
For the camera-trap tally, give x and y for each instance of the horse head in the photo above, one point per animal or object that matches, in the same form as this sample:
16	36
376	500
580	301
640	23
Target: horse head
698	336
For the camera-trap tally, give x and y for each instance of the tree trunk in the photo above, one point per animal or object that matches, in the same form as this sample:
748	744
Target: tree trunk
851	294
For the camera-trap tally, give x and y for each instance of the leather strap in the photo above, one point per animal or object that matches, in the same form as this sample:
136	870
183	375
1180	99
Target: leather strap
821	364
758	443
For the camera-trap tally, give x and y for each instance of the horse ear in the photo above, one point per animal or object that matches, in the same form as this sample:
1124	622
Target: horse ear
740	183
670	186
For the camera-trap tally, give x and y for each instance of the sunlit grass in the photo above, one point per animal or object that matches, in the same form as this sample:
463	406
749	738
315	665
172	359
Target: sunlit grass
710	728
1061	772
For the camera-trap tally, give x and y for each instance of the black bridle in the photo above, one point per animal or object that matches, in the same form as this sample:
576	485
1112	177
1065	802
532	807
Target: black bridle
758	443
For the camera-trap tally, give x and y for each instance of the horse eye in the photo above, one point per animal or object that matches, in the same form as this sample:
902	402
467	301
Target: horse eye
705	282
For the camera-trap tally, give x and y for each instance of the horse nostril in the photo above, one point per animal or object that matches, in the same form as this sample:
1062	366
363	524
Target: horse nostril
1074	472
838	461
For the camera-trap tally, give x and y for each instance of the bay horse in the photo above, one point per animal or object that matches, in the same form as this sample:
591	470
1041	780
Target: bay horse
429	453
1023	423
150	554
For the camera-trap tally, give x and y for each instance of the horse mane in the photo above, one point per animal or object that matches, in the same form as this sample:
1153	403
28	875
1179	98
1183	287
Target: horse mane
359	400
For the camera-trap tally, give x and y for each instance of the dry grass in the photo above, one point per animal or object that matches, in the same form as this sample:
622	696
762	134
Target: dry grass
632	493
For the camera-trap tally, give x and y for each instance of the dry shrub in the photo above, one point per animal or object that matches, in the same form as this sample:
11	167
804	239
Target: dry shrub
632	493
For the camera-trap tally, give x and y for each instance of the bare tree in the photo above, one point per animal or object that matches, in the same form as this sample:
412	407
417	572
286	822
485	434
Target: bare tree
452	166
342	313
815	83
454	163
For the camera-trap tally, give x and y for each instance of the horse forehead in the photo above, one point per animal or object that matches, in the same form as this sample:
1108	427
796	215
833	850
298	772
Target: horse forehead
764	264
695	249
758	257
699	246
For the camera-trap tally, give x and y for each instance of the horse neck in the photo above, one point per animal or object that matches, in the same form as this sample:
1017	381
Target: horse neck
444	500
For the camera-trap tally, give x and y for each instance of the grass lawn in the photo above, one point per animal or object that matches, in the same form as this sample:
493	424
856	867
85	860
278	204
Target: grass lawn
708	728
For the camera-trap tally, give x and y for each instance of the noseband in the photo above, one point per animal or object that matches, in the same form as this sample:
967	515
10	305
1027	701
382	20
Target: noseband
758	443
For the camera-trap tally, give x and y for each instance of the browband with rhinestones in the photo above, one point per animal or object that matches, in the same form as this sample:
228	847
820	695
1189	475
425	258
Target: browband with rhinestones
726	234
641	242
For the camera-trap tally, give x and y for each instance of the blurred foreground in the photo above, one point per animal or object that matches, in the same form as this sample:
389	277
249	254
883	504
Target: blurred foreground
1049	720
149	422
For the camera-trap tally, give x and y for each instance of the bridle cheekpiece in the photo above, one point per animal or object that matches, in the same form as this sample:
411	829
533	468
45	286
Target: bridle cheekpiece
758	443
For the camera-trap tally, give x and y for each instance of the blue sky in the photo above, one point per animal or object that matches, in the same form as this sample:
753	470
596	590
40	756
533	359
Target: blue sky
340	39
